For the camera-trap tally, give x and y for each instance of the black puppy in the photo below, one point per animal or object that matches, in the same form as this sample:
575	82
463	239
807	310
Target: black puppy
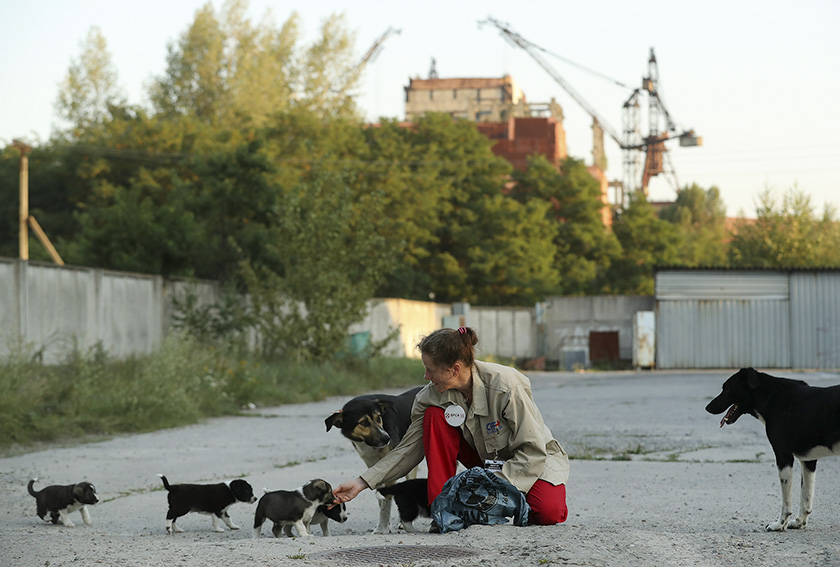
376	423
292	507
412	501
61	501
213	499
801	422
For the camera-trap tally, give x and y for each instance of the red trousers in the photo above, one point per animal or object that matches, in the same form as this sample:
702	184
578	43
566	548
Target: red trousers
445	446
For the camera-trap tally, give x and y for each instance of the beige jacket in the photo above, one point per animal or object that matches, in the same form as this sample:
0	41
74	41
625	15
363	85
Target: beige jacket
503	422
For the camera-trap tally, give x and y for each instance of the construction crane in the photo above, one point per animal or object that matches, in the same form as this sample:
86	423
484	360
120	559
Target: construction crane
632	143
369	56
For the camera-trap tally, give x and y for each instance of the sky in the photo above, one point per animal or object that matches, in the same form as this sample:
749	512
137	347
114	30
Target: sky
758	80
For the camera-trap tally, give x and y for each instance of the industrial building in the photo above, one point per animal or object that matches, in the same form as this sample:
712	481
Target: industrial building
476	99
503	114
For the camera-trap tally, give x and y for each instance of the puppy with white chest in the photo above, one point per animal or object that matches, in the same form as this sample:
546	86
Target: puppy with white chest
213	499
61	501
292	507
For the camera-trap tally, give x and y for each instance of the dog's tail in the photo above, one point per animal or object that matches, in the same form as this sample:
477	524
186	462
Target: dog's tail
417	485
165	482
29	487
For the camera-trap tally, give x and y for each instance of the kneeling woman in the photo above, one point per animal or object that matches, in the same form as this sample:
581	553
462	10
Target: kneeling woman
478	413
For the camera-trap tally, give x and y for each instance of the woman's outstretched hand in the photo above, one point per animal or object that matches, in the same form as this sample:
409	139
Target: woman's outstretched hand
347	491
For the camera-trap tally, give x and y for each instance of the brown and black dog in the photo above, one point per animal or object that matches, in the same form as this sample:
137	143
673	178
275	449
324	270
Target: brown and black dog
375	423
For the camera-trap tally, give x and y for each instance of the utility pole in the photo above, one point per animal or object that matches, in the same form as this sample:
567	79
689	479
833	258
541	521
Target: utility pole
25	220
23	217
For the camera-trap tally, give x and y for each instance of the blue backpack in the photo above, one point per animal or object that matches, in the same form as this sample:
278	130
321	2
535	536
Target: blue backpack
477	496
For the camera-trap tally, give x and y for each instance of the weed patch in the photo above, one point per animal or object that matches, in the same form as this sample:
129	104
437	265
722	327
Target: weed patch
183	382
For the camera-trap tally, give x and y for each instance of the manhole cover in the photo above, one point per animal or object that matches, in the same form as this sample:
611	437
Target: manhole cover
394	554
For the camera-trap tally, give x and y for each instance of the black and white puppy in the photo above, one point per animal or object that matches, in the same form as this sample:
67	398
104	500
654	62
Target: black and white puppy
323	514
292	507
213	499
412	501
60	501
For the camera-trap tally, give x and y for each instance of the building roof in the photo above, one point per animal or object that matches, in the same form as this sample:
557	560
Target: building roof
459	83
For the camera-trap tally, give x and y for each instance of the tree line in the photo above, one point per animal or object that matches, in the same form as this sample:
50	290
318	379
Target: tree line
251	165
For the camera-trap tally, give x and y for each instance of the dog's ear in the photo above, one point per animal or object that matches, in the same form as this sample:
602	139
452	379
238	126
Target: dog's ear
752	378
335	420
385	404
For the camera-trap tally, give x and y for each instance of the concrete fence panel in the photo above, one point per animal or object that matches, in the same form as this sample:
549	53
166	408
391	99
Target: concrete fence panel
58	308
130	314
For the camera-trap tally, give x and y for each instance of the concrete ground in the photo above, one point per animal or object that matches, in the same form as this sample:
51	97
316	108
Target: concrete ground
654	481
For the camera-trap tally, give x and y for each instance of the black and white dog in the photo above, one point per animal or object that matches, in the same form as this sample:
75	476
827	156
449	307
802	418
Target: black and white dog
375	423
323	514
412	501
292	507
213	499
801	421
61	501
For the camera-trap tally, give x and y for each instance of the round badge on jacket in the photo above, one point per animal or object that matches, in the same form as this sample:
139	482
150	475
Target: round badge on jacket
455	415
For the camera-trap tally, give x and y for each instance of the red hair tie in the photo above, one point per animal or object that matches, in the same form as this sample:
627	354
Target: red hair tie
462	330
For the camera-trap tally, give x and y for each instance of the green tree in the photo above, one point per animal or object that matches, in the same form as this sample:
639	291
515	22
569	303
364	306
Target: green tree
195	79
507	252
236	200
462	238
134	233
265	63
10	203
327	66
90	87
226	70
585	248
646	241
786	234
327	259
700	217
406	171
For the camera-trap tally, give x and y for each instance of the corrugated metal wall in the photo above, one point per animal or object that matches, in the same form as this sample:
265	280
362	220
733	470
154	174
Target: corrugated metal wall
731	319
815	314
